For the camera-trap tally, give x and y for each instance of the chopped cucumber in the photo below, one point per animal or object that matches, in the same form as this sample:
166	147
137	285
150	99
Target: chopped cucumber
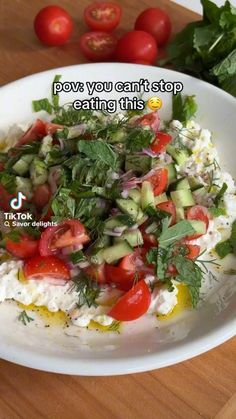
46	146
180	214
117	251
128	206
180	184
103	241
97	257
182	198
24	185
142	220
147	195
21	167
160	198
135	194
200	191
199	226
180	156
194	183
38	171
138	164
151	228
134	238
112	223
171	172
118	136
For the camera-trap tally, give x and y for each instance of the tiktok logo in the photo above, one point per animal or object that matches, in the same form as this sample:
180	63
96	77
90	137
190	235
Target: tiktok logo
16	203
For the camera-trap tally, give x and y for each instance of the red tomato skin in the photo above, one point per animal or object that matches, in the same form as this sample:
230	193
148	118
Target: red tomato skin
38	267
53	25
150	119
169	206
199	213
25	248
193	251
156	22
98	46
97	19
35	132
136	46
160	142
42	195
133	304
48	237
159	181
5	198
97	273
121	278
51	128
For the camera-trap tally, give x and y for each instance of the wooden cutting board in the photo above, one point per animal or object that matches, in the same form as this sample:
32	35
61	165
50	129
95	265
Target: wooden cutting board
204	387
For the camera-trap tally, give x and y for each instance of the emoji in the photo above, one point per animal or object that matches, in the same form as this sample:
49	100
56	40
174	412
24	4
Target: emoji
154	103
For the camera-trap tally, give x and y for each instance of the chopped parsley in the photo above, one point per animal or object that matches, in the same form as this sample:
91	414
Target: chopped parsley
24	318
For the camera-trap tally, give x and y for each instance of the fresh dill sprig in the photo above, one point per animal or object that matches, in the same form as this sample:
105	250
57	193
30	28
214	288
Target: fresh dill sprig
24	318
114	327
88	291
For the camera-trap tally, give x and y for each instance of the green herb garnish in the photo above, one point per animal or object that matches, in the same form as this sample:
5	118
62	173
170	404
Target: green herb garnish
24	318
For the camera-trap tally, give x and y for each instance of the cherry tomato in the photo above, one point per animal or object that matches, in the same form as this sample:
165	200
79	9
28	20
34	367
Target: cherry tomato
53	25
39	267
22	247
160	142
98	46
134	261
42	195
169	206
122	278
102	16
35	132
159	181
5	198
133	304
150	119
199	213
97	273
193	251
68	233
51	128
156	22
136	46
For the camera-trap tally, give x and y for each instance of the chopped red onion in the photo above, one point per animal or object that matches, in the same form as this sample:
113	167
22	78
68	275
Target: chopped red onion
115	175
53	177
109	232
120	229
149	152
134	227
83	264
77	247
74	271
125	193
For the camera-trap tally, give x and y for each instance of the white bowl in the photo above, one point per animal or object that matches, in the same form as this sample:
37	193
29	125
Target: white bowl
146	348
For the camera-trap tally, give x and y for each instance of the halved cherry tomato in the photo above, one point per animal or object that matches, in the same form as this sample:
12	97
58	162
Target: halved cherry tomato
42	195
53	25
159	181
151	120
134	261
39	267
133	304
97	273
102	16
160	142
5	198
35	132
68	233
98	46
199	213
156	22
136	46
169	206
121	278
193	251
22	247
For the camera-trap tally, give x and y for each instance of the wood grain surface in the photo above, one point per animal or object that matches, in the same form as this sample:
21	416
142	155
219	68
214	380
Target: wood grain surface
204	387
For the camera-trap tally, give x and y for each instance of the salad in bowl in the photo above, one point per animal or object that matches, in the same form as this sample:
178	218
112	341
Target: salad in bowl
122	216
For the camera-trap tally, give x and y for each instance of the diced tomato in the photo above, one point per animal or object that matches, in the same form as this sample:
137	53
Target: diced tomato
159	181
171	270
133	304
68	233
51	128
122	278
40	267
97	273
193	251
22	247
169	207
102	16
42	195
151	120
35	132
134	261
149	239
199	213
48	215
5	198
160	142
